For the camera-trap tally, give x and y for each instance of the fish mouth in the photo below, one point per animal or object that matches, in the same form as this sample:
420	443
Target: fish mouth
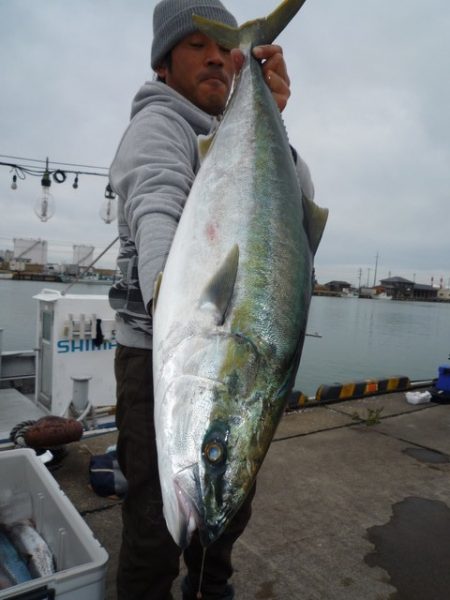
208	534
189	512
194	516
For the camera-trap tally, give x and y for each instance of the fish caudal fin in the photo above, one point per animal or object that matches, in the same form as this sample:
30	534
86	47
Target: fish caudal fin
252	33
217	294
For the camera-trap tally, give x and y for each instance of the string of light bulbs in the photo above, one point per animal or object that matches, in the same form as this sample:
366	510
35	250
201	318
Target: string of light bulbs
45	204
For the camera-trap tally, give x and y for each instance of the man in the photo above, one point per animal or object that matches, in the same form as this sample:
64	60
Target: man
152	173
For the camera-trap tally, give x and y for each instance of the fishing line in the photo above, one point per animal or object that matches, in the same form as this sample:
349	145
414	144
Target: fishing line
200	581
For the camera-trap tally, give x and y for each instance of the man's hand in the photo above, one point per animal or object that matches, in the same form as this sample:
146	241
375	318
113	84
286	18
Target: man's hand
274	69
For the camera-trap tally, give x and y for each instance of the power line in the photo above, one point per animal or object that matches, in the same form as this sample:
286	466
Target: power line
55	162
58	172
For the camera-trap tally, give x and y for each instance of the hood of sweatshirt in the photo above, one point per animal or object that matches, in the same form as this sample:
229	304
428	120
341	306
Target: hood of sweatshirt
156	93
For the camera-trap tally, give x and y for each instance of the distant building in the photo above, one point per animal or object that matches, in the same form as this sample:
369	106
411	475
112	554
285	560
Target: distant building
338	286
404	289
54	268
424	292
18	265
71	270
443	295
332	288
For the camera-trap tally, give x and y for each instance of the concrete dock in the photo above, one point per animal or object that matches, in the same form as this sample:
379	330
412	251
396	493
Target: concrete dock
353	502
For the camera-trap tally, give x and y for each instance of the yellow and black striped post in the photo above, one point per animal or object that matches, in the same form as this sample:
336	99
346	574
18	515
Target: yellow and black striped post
361	389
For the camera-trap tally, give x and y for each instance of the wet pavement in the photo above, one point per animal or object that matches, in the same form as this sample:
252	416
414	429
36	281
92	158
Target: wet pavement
353	502
414	549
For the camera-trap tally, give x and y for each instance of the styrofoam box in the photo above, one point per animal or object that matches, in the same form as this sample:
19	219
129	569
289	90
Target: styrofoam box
80	559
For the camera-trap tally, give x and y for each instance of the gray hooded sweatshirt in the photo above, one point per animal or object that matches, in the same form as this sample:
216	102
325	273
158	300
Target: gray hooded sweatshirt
152	173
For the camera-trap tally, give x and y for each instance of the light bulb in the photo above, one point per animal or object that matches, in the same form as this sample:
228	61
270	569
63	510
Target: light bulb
14	183
44	206
109	192
108	211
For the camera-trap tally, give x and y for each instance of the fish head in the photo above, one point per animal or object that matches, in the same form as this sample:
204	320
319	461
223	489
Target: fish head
218	438
225	475
211	491
204	491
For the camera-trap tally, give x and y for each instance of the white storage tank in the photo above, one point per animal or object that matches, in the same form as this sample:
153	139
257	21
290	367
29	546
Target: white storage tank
83	256
30	250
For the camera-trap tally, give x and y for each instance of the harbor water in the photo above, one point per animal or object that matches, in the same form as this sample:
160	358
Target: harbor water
364	339
359	339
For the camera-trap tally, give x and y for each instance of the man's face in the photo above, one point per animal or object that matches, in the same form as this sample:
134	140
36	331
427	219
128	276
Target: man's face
200	70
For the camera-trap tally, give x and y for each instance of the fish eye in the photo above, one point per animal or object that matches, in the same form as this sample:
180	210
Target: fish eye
214	452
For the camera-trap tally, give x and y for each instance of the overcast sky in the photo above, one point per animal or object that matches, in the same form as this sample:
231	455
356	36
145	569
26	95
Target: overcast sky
369	112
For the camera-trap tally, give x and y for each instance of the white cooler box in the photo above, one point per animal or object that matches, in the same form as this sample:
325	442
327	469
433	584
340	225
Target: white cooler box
80	559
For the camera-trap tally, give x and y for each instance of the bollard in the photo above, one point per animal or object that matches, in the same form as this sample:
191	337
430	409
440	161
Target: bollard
80	392
81	404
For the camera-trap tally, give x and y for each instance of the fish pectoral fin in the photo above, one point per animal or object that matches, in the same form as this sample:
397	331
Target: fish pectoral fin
204	144
217	294
315	221
156	289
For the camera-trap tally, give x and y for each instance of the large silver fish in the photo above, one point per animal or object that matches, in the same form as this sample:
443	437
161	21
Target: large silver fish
13	569
232	305
32	547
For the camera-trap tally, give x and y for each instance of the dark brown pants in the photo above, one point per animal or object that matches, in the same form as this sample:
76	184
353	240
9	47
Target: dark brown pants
149	558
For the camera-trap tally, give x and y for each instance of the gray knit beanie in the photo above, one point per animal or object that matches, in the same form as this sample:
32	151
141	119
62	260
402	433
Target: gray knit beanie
172	21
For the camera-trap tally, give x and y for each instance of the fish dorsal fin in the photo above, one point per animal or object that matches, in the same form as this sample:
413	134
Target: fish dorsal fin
156	289
204	144
253	33
217	294
315	221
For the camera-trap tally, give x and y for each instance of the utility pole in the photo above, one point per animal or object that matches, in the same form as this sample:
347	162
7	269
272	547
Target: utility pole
376	267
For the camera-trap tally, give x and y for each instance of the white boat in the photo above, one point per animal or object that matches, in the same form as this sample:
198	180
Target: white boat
72	366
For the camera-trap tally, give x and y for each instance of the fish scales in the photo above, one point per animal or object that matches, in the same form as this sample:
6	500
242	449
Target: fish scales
13	568
33	548
231	311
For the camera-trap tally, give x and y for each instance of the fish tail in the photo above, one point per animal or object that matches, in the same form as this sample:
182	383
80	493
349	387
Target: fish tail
252	33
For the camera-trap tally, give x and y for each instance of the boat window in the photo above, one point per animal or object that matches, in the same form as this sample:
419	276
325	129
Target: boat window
47	326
